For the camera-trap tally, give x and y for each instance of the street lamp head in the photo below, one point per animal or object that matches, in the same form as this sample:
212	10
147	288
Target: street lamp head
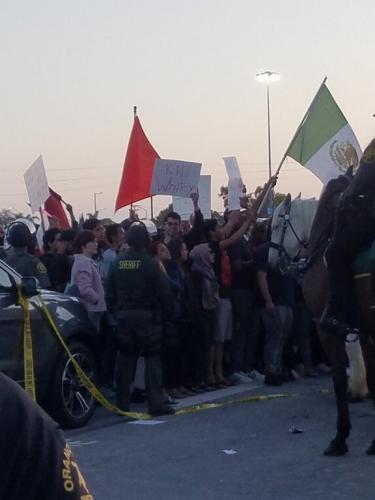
268	77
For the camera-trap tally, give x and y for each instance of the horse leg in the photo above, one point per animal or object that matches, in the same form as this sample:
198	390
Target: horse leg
335	349
368	348
365	299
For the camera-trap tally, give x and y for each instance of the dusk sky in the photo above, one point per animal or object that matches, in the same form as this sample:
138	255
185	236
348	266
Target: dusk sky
71	72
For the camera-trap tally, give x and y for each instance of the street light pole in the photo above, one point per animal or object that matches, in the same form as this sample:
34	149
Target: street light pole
95	195
269	132
268	77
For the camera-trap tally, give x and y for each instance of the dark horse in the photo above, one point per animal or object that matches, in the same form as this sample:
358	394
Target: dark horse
316	293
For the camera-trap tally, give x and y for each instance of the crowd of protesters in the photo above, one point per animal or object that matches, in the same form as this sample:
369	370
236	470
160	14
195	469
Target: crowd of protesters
232	319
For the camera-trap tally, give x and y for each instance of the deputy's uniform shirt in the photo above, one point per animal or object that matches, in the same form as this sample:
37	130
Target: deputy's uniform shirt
28	265
35	461
135	281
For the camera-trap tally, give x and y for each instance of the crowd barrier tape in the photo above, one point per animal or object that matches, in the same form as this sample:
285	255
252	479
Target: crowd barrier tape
27	347
88	384
231	402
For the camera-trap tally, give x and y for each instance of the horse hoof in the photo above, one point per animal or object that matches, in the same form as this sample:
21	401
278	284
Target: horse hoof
336	449
371	449
356	396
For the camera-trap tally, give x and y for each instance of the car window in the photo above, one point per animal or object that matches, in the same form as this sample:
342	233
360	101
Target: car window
5	281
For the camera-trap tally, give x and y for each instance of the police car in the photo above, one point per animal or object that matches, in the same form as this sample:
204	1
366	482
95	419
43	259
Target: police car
58	387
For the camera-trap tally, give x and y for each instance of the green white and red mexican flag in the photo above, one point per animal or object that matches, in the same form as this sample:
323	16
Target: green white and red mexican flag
325	142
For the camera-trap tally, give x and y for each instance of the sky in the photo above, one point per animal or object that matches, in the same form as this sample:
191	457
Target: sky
72	71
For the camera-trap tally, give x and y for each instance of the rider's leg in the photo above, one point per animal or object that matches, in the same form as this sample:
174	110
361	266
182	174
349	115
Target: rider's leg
340	256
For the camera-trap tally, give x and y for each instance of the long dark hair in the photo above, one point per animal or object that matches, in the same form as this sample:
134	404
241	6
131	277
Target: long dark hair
175	248
82	238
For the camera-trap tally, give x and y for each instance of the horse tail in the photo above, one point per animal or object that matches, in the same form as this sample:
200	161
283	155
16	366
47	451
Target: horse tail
358	389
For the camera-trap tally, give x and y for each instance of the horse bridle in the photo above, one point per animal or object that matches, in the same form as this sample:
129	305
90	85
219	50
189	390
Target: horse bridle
286	264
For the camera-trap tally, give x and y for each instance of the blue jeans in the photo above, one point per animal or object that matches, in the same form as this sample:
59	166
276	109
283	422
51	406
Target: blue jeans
277	323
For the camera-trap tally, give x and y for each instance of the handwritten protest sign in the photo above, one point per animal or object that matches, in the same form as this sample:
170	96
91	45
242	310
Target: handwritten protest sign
36	184
174	177
184	206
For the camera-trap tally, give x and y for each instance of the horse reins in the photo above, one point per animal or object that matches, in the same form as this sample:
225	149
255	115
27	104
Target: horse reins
287	223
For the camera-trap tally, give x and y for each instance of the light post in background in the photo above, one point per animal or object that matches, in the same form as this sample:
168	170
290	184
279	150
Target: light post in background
95	195
268	77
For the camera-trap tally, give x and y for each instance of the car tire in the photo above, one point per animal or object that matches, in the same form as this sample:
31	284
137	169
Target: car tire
70	403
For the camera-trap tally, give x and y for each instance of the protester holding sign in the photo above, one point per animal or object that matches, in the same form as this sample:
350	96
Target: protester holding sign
173	228
220	240
183	205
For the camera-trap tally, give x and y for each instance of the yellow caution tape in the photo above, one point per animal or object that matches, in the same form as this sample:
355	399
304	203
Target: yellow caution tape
88	384
210	406
28	358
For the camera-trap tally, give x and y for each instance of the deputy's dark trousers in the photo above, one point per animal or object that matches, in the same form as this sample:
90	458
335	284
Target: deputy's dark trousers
355	236
131	347
108	350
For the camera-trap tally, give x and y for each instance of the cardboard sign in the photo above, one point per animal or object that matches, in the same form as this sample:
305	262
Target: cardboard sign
36	184
174	177
232	167
184	206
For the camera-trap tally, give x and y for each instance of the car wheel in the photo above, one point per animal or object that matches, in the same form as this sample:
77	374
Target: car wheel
71	404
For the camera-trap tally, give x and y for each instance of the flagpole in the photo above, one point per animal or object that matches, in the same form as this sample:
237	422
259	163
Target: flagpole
299	128
131	205
152	207
266	196
270	187
42	220
151	197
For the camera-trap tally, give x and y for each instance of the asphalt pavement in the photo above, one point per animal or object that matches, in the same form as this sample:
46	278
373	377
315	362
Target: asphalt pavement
241	450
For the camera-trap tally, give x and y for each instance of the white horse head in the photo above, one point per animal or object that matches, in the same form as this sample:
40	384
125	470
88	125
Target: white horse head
291	226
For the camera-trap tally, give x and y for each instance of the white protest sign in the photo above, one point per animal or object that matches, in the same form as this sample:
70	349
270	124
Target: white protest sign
235	184
36	184
204	189
184	206
235	192
232	167
174	177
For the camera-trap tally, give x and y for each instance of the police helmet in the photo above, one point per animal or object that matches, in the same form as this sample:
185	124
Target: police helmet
19	235
138	236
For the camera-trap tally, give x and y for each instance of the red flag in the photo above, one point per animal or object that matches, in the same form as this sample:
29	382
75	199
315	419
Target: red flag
138	168
55	208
